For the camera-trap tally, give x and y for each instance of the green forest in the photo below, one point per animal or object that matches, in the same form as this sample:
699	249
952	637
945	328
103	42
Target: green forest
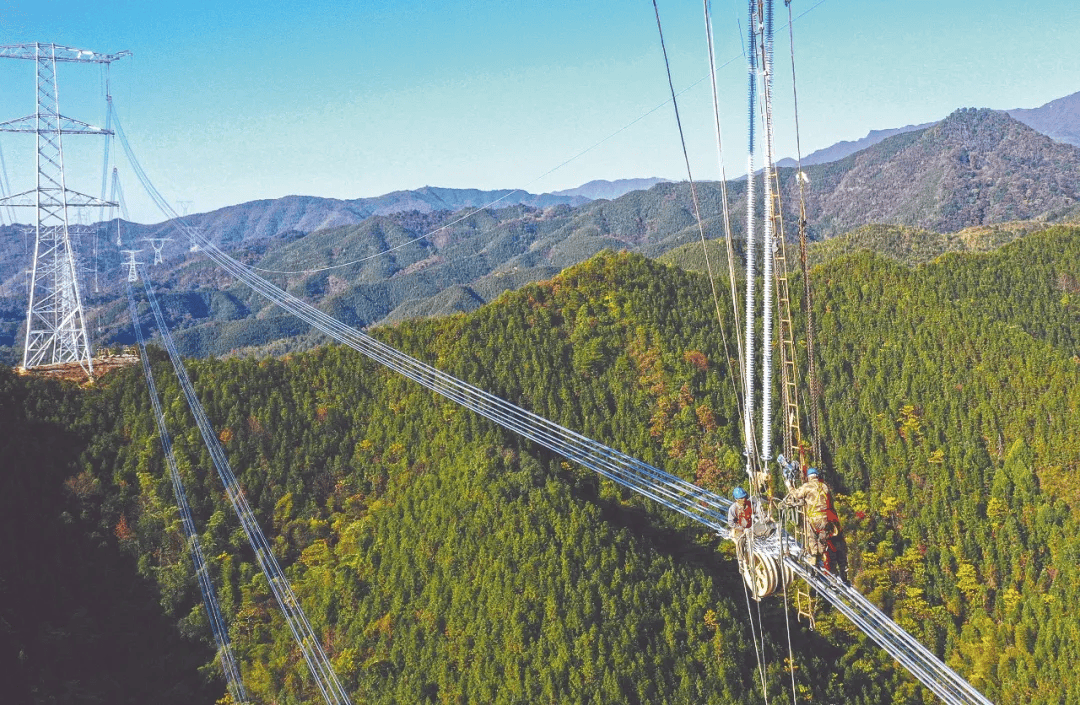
443	560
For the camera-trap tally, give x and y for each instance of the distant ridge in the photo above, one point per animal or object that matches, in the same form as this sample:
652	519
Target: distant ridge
268	218
602	188
846	148
1059	119
975	167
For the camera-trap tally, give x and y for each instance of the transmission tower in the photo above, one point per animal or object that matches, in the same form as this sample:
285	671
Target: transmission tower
132	264
55	324
157	243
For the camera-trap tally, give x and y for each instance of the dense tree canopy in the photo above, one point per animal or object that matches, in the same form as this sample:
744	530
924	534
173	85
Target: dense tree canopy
443	560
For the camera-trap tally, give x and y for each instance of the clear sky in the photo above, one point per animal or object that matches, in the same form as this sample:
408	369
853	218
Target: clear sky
228	102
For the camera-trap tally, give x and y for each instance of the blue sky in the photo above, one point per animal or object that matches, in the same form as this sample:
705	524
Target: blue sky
231	102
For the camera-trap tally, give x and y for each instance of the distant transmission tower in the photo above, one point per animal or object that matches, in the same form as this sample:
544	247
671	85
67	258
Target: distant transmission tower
132	263
157	243
55	324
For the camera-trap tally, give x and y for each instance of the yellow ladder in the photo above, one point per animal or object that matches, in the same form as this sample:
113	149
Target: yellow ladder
804	603
786	335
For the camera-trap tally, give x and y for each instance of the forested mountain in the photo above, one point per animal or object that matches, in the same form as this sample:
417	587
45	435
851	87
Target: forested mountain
907	245
441	559
975	169
1059	120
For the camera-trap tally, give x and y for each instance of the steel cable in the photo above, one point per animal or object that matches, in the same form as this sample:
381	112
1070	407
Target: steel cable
686	498
229	665
310	646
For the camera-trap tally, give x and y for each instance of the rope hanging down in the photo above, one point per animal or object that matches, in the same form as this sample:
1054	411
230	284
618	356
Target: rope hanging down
213	611
697	205
728	237
808	301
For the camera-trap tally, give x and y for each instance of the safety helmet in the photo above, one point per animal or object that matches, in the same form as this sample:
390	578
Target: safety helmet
812	472
739	493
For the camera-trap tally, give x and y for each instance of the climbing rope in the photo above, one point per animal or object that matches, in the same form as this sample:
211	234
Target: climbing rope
808	302
787	627
759	652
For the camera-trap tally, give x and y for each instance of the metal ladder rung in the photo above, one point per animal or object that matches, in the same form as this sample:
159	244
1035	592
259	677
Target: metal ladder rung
804	603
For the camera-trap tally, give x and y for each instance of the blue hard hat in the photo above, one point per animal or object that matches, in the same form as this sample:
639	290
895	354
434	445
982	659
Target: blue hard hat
812	472
739	493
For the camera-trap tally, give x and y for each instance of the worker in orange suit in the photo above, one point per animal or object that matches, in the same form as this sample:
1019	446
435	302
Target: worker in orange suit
825	539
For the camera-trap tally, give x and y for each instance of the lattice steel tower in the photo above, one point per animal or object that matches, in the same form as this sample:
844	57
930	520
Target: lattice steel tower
55	324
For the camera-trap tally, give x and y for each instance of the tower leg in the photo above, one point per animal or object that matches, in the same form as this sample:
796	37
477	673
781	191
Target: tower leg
55	323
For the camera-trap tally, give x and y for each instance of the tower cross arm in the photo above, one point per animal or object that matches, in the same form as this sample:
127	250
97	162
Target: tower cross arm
68	126
26	198
74	199
62	53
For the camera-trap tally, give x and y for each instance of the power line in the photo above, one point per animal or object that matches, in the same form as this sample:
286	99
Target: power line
310	646
220	631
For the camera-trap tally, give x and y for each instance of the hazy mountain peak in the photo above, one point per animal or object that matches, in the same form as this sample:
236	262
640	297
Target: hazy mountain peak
602	188
1059	119
846	148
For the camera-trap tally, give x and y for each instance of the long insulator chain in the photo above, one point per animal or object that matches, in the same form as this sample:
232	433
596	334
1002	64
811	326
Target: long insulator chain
749	440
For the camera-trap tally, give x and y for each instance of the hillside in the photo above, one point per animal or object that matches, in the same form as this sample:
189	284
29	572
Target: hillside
442	558
976	167
909	246
1059	120
78	622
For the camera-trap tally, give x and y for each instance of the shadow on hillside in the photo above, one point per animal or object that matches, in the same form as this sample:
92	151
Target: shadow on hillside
77	622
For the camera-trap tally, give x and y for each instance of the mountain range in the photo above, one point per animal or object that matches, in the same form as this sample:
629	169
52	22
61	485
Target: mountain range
1059	120
258	220
602	188
975	167
409	254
